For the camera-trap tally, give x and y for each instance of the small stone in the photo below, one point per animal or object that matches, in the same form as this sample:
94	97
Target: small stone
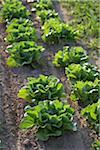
33	9
33	143
26	142
30	1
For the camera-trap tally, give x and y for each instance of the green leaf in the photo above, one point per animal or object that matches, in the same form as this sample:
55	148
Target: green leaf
23	93
56	133
27	123
11	62
73	97
42	135
58	104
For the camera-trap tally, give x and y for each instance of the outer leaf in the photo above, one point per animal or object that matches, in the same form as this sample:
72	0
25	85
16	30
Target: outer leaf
11	62
42	135
26	123
23	93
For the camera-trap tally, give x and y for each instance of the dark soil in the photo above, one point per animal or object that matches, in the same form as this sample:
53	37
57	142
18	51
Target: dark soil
11	108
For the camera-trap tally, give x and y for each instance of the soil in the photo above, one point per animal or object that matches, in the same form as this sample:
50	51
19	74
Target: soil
11	108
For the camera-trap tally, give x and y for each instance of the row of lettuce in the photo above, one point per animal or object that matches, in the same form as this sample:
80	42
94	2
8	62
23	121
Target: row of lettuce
49	115
84	77
21	34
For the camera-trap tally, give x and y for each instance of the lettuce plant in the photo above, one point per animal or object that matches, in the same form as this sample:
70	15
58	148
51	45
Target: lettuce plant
81	72
92	114
21	30
13	9
54	31
70	55
51	118
87	92
47	14
25	52
42	88
43	5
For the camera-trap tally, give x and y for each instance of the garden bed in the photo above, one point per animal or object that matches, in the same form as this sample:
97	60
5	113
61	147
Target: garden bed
12	107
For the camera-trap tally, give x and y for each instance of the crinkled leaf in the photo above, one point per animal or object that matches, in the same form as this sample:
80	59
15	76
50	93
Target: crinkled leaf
27	122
